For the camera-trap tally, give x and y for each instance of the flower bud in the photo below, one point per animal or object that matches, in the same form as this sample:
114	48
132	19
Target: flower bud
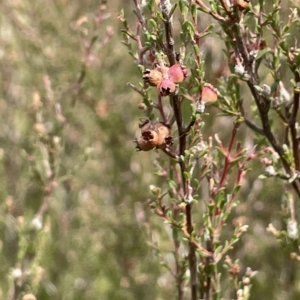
209	94
29	297
142	106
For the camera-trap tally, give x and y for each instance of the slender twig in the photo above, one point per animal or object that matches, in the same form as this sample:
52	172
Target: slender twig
292	125
142	50
209	260
179	190
227	9
228	156
205	252
210	12
160	107
45	203
171	154
138	90
260	21
249	123
253	126
240	175
190	125
141	16
263	106
182	146
209	242
271	138
176	242
77	85
169	34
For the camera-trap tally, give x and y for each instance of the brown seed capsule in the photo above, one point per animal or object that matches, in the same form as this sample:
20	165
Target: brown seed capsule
166	87
147	141
143	145
153	77
149	136
177	73
153	135
165	140
241	4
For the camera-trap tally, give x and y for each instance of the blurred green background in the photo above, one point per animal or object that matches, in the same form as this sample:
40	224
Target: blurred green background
74	219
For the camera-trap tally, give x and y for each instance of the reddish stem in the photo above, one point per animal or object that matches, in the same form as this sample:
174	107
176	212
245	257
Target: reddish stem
228	156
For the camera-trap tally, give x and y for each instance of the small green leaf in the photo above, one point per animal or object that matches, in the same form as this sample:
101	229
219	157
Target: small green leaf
171	183
172	10
153	37
128	34
187	175
262	53
182	5
151	5
236	189
153	23
161	16
203	9
221	151
194	10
